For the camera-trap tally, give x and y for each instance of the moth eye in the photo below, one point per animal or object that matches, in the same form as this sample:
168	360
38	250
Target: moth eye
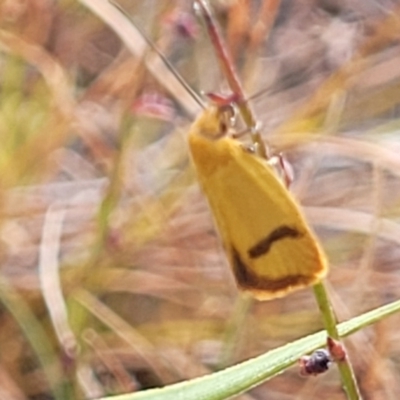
223	127
227	118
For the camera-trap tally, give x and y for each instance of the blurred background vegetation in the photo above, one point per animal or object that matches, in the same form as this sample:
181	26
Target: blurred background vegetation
112	276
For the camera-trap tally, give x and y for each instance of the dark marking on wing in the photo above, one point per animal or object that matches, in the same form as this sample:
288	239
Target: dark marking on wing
264	245
247	279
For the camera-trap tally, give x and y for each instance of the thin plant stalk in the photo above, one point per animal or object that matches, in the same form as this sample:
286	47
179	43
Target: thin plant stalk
234	330
330	322
321	295
231	76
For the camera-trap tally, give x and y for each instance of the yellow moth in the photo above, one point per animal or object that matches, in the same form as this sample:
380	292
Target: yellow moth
270	247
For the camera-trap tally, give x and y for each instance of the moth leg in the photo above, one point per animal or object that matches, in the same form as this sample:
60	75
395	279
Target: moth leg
283	168
249	130
278	161
250	148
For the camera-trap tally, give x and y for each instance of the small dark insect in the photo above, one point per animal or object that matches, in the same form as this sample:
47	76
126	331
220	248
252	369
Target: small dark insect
315	364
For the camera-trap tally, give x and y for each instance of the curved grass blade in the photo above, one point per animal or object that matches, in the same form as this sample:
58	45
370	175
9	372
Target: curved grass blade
235	380
35	335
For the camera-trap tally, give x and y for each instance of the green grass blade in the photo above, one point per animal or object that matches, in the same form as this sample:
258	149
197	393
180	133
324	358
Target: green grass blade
242	377
35	334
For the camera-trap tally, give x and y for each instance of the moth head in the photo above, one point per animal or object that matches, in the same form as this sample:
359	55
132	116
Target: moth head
215	122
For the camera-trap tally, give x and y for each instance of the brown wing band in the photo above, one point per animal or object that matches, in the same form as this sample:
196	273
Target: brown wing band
264	245
247	279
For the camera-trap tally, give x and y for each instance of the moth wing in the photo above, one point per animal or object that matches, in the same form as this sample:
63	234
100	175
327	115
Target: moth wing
270	247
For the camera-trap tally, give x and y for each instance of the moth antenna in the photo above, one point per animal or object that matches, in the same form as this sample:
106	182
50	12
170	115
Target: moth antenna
228	68
202	7
273	89
165	60
260	93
